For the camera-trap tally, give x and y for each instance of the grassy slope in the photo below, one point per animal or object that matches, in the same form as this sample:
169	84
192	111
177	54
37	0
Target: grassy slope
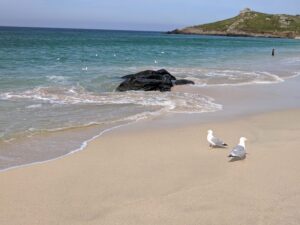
254	22
217	26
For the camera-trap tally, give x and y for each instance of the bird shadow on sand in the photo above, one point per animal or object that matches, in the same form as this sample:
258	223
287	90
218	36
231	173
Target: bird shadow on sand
214	147
236	159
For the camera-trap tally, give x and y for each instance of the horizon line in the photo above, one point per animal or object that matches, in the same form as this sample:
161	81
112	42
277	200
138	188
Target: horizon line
77	28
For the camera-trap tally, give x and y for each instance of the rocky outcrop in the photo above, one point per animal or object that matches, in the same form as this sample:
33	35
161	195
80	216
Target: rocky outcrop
250	24
152	74
151	80
183	82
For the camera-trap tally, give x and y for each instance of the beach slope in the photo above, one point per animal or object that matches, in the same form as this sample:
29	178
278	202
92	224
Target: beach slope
165	176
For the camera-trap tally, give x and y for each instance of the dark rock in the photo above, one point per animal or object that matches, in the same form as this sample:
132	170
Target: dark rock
183	82
150	80
152	74
136	84
176	31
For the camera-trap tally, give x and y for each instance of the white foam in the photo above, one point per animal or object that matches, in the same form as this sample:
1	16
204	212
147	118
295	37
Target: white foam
296	74
203	104
170	101
34	106
291	60
57	79
217	77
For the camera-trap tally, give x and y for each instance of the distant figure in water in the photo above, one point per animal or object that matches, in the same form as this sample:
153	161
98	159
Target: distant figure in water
273	52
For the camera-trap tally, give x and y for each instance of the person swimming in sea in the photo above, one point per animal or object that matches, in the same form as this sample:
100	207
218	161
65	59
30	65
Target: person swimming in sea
273	52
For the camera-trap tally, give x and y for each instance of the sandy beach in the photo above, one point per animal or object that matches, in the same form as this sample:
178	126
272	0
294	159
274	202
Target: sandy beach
107	112
166	176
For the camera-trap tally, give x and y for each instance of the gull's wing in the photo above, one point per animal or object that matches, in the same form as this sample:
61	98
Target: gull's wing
238	152
218	142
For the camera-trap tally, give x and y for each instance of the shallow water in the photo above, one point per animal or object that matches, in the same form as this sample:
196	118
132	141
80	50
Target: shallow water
54	80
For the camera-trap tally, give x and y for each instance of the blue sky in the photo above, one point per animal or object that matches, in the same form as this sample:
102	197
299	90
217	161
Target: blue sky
158	15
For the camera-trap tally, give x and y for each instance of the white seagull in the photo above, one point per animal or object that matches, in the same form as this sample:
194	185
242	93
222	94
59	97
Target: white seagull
239	152
214	141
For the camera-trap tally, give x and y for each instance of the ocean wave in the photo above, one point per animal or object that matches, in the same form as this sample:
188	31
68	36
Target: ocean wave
217	77
57	79
34	106
170	101
220	77
294	75
147	104
291	60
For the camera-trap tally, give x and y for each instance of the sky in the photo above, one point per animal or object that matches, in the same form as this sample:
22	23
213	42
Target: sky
156	15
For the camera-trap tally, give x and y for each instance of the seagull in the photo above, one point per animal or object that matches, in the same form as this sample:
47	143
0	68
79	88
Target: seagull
239	152
214	141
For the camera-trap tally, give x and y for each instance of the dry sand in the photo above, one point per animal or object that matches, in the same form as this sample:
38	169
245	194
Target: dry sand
165	176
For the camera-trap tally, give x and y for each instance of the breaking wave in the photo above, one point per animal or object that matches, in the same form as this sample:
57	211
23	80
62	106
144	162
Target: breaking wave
169	101
57	79
216	77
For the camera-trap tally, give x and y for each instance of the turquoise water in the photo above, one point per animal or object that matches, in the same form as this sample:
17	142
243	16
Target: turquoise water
54	80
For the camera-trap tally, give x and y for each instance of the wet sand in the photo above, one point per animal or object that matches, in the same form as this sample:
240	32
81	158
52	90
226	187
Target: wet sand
166	176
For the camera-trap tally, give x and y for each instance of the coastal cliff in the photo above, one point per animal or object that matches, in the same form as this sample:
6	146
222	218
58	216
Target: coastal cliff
250	24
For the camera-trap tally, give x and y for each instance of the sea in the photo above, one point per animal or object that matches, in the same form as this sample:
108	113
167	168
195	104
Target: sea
57	86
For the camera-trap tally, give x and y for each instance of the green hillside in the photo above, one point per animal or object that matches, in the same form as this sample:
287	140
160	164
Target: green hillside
250	23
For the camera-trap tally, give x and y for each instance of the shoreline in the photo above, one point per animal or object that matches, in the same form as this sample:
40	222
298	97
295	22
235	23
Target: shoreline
81	148
219	95
48	109
129	176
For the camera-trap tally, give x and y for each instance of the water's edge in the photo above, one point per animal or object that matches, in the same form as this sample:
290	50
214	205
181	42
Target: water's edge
221	115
